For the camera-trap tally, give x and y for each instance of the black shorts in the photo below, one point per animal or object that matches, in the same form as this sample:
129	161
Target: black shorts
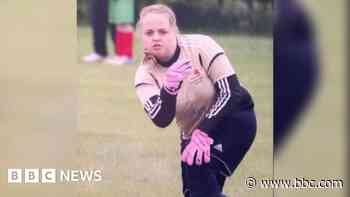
232	139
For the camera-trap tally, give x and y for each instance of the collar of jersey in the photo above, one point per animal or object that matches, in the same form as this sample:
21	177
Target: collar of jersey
172	60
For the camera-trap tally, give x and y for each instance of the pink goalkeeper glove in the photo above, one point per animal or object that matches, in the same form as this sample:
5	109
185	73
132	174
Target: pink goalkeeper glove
200	144
175	74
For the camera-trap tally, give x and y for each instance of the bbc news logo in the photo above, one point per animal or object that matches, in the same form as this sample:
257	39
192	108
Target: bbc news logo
49	175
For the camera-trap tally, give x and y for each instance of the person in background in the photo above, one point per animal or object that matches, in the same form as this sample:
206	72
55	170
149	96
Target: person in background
98	10
121	13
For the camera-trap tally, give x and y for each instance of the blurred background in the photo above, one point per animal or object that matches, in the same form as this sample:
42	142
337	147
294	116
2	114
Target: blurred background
317	145
252	16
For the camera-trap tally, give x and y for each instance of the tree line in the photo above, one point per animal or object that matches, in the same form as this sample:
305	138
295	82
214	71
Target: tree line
252	16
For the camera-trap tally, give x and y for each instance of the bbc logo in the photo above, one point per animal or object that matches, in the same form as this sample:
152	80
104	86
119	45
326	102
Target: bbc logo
33	175
47	175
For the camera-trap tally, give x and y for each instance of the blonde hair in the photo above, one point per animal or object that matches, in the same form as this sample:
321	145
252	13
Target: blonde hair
159	9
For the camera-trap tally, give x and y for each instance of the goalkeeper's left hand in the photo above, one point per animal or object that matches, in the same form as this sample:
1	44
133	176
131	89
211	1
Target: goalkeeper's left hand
199	148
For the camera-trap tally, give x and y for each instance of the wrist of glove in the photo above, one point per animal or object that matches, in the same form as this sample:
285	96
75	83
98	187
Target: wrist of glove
198	150
175	74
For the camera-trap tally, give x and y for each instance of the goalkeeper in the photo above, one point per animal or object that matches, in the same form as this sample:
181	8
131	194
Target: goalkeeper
189	78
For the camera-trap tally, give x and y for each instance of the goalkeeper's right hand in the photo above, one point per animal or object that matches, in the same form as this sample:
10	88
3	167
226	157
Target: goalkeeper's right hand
198	149
175	74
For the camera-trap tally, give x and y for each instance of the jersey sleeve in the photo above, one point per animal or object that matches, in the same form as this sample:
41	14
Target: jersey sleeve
159	105
214	60
145	85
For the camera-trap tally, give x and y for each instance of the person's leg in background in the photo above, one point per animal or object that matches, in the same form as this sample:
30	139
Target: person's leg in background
99	23
124	37
121	13
125	34
113	35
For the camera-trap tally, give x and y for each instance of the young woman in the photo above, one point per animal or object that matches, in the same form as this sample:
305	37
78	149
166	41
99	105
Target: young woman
189	77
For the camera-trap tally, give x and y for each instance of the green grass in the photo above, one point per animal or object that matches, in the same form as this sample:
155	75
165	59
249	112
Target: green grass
139	159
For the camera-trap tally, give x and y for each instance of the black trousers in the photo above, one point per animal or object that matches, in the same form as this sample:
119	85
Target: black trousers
232	139
100	25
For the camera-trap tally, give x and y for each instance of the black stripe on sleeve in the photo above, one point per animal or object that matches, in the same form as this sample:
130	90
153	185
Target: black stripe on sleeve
155	79
161	108
231	97
224	97
139	84
200	59
212	60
